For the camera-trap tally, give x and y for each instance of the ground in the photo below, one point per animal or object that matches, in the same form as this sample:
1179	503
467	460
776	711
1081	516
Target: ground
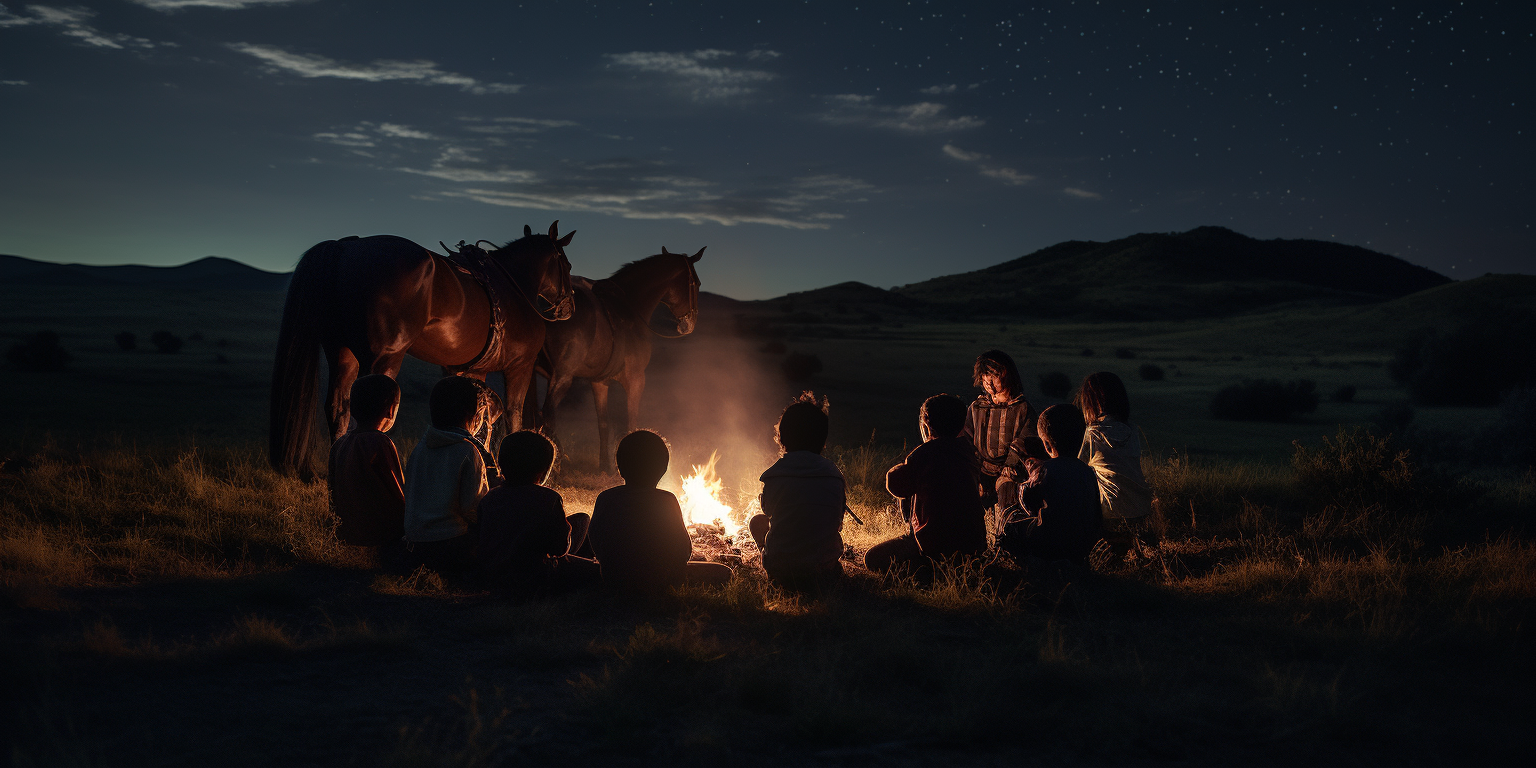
169	600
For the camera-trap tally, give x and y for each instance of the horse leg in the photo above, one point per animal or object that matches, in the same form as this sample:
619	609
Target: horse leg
600	400
634	387
518	378
558	387
338	400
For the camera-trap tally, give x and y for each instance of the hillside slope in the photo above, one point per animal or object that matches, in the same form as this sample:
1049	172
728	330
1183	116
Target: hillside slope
211	272
1205	272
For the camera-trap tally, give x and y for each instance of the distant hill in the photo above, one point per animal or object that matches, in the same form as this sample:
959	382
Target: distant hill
211	272
1205	272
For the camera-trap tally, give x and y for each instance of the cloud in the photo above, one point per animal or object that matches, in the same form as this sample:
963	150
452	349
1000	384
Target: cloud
170	6
403	132
1006	175
704	81
71	22
420	71
504	125
1082	194
935	90
922	117
14	82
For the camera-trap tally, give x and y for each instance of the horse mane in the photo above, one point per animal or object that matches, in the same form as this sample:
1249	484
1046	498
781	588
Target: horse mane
630	275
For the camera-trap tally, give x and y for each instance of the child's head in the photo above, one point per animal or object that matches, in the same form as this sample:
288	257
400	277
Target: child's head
1061	429
943	416
455	403
375	400
803	427
526	458
1103	394
995	373
642	458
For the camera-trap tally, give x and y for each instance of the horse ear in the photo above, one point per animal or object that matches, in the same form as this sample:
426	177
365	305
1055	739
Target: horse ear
554	230
664	251
695	258
564	241
527	231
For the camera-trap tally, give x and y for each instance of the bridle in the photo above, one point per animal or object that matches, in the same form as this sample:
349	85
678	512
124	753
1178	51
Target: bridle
554	309
693	305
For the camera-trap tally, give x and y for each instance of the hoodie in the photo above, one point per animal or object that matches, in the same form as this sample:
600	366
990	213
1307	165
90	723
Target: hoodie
943	479
803	497
1113	449
444	479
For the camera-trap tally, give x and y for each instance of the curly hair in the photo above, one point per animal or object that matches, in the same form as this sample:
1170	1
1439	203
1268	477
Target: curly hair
999	364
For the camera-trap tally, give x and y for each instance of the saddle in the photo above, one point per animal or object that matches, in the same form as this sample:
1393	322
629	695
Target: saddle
480	266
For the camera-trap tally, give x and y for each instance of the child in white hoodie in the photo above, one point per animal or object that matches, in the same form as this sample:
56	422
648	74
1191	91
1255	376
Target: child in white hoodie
800	529
445	478
1113	448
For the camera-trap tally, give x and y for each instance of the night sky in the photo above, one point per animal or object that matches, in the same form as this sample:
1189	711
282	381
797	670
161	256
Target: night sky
804	143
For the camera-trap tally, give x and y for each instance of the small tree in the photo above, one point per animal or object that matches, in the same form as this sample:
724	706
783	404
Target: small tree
126	341
1150	372
166	342
39	353
1055	384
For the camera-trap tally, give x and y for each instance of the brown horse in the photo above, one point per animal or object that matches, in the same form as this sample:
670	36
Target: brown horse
367	302
608	337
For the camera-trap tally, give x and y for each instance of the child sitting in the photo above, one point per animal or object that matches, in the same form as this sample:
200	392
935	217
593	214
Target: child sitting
1113	448
366	485
445	478
1001	425
1061	499
524	539
940	485
799	530
637	529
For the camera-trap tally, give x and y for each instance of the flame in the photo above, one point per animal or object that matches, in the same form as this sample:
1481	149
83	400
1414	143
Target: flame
701	498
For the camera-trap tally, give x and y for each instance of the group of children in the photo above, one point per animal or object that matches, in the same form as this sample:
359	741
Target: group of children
1043	486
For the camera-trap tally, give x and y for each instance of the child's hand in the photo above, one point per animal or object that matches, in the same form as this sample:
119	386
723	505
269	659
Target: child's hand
1008	473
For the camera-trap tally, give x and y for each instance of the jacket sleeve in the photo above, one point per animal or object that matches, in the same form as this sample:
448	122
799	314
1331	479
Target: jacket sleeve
901	480
471	483
386	465
557	540
680	540
1026	441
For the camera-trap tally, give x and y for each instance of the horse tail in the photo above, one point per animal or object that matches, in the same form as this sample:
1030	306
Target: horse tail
296	370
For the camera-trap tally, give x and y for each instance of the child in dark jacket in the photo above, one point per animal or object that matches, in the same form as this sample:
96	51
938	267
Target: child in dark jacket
1062	520
525	541
800	529
637	529
940	485
366	484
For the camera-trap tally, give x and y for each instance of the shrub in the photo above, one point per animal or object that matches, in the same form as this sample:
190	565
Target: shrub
166	342
1356	470
39	353
1344	394
1055	384
1265	400
1513	437
799	366
1150	372
1125	353
126	341
1473	364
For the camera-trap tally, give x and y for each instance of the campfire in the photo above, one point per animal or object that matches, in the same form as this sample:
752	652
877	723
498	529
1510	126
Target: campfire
719	532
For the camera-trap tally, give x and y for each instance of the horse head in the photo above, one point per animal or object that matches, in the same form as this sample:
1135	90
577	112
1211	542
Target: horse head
682	296
547	270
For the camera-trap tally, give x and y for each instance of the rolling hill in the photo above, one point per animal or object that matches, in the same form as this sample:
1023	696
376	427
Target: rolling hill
1205	272
211	272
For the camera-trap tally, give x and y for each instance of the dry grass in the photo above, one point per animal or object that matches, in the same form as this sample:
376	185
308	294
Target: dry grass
1302	614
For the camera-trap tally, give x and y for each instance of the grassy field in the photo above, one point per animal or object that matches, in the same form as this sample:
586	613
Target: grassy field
169	600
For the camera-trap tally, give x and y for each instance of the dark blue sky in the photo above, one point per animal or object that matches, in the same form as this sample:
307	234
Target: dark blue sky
804	143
